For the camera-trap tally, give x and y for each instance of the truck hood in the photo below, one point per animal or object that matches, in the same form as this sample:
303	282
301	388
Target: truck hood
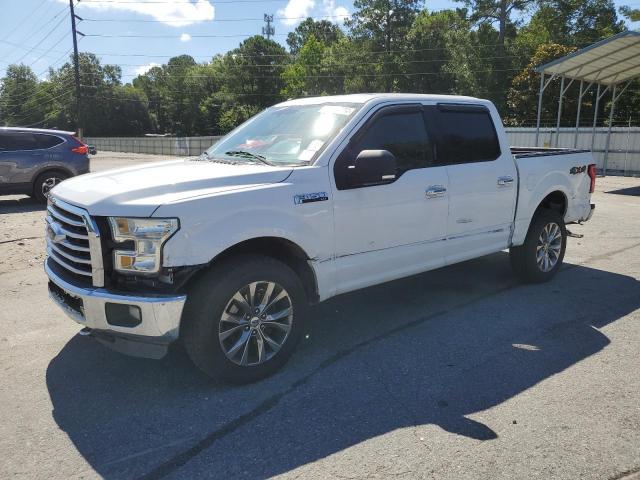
138	191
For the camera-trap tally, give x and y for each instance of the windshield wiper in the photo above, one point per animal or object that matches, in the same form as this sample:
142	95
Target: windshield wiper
249	155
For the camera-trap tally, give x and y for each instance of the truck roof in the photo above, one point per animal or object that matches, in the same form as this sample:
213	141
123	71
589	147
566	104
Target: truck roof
36	130
381	97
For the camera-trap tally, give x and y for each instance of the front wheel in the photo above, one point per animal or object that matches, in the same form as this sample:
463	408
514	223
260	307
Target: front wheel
541	255
243	318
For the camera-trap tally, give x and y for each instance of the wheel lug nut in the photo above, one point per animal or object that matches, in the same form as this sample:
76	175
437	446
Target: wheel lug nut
263	316
246	328
256	311
253	332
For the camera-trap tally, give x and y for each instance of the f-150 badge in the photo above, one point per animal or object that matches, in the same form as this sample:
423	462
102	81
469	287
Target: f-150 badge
576	170
310	197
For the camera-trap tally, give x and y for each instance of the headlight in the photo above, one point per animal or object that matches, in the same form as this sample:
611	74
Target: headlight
148	235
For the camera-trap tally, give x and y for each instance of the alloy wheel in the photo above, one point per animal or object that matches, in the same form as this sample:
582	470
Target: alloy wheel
255	323
549	247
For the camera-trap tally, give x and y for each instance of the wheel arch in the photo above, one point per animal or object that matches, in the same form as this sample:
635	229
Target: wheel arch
279	248
50	168
555	200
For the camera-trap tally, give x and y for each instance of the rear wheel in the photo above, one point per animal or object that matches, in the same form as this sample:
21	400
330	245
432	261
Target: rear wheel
45	182
542	253
243	318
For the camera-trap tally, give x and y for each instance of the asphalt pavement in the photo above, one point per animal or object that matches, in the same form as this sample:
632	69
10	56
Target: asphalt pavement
457	373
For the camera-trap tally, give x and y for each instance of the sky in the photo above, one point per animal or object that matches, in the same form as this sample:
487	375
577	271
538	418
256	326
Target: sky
137	34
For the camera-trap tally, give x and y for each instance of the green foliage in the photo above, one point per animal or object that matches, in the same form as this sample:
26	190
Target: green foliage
324	31
523	95
481	50
633	14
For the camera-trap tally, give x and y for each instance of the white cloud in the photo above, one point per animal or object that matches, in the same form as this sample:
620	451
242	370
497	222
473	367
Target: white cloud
175	13
185	37
294	10
336	14
142	69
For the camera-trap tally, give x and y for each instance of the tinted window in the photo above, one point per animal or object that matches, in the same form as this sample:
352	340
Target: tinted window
403	134
17	141
48	141
465	136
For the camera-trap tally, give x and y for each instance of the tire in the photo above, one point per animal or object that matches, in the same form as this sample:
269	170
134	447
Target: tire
212	297
45	182
524	260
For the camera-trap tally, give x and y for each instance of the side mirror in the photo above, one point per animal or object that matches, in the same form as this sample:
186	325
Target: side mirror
372	167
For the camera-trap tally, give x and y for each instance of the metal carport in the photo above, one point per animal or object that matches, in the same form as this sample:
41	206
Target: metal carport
611	64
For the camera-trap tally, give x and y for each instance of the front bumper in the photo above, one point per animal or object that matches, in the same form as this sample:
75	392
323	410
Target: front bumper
159	316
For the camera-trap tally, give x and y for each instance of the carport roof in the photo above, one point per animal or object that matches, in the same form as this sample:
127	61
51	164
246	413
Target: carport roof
608	62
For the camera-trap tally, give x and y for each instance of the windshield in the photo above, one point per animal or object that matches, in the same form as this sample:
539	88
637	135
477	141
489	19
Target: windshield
288	135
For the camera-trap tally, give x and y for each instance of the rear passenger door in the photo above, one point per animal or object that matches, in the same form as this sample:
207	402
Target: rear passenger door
393	229
482	180
18	151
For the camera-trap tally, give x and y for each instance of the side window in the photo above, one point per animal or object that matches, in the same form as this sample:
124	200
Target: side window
17	141
47	141
464	135
402	133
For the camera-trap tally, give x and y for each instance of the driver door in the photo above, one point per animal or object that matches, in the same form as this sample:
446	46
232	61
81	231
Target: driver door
393	229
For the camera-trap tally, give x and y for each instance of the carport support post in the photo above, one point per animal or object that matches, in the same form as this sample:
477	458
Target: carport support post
595	118
559	110
575	139
540	93
606	148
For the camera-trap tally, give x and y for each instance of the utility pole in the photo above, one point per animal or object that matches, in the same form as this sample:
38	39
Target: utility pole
76	66
268	30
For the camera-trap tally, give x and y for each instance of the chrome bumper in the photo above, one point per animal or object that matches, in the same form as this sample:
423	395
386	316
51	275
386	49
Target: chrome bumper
159	315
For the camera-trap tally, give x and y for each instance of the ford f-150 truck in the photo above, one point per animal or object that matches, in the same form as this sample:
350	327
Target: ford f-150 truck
309	199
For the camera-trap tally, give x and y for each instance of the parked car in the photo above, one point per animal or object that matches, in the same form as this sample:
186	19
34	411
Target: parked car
33	160
309	199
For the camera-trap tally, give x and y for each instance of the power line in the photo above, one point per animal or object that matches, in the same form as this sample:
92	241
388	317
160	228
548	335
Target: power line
102	35
41	40
22	22
161	2
215	20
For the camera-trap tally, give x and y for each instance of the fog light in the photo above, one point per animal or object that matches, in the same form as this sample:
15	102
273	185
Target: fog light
123	315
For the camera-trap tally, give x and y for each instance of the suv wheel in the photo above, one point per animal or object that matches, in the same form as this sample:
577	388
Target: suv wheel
541	255
45	182
243	318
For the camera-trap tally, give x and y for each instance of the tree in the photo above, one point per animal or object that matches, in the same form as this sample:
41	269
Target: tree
323	30
381	26
575	22
252	73
633	14
440	53
496	11
522	98
22	100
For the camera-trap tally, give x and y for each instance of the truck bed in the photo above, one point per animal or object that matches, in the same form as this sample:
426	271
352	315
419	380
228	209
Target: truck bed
524	152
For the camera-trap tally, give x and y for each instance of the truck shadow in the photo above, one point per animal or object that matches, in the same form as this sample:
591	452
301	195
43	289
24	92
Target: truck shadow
432	349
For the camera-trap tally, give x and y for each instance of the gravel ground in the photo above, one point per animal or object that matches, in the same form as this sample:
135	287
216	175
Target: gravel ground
456	373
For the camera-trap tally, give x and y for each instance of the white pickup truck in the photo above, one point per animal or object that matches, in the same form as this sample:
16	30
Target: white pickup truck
309	199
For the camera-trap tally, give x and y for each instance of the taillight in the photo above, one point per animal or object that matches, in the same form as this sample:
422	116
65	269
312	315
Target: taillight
591	171
81	148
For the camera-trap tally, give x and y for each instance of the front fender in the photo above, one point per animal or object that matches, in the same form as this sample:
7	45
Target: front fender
210	225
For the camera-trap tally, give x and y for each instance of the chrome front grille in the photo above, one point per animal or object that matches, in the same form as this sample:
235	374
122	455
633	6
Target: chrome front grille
73	241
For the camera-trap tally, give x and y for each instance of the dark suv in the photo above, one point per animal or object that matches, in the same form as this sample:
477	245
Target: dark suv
33	161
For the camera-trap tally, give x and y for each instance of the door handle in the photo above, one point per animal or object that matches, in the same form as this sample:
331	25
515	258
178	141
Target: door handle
435	191
505	181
